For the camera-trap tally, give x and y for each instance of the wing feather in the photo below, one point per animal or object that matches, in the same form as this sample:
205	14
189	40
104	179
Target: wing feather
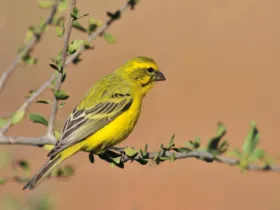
85	122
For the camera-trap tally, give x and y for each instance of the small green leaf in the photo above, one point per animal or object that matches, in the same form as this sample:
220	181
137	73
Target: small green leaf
37	29
196	143
57	172
58	63
173	158
77	59
44	102
53	66
45	4
157	156
68	171
93	24
142	161
193	145
259	154
64	171
223	147
129	151
27	59
79	27
75	13
37	118
2	122
30	93
56	20
145	152
62	5
61	95
116	160
213	144
116	15
243	164
53	83
221	130
182	149
75	45
171	142
252	139
189	145
42	25
24	165
2	181
109	38
58	58
236	153
61	105
59	31
112	164
28	36
63	77
88	45
17	117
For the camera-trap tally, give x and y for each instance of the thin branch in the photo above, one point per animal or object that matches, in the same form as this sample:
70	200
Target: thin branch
59	76
28	102
200	155
252	167
69	60
29	46
21	140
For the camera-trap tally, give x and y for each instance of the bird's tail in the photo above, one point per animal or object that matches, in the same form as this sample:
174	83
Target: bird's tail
43	172
50	165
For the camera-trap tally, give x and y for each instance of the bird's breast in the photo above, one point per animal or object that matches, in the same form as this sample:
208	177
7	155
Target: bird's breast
117	130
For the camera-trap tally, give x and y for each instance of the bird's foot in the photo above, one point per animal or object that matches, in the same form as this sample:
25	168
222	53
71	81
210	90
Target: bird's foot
121	151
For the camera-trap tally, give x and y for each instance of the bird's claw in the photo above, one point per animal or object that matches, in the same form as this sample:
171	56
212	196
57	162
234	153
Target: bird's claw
123	155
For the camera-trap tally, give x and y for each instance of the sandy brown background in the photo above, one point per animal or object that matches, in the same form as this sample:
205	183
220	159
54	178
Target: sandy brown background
221	60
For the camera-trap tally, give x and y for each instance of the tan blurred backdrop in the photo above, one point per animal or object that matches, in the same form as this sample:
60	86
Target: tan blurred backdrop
221	60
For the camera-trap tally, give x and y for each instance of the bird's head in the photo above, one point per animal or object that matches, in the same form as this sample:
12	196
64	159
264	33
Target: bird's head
142	71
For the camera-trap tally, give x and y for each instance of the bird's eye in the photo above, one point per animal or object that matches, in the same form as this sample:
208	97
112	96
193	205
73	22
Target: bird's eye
150	70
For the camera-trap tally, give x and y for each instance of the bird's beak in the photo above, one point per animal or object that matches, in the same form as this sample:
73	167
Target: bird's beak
159	76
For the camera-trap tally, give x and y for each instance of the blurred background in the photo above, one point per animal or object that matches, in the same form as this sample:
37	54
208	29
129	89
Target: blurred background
221	61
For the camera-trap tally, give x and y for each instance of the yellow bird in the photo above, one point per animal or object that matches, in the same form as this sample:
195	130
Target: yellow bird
106	115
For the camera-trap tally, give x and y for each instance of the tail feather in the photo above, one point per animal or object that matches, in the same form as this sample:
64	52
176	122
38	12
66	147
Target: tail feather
50	165
43	172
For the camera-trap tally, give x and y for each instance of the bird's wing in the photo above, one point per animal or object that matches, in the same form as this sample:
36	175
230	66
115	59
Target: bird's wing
84	122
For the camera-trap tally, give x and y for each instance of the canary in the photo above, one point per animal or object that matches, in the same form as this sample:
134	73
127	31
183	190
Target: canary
107	114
